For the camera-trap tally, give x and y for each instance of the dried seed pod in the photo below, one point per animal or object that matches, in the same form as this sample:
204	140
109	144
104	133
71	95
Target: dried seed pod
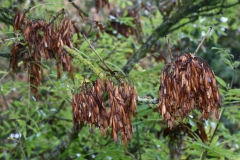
187	83
43	39
89	106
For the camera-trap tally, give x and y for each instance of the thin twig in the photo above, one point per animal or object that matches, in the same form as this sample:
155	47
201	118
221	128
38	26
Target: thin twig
183	24
147	100
205	151
109	69
5	75
6	55
220	119
166	27
62	12
84	61
202	41
231	5
159	9
215	130
138	141
169	50
160	31
19	64
29	91
78	8
233	76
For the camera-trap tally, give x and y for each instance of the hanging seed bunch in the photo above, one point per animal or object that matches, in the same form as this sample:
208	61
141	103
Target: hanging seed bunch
188	83
44	40
88	106
106	105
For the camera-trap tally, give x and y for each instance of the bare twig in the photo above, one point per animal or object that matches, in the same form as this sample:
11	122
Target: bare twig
147	100
202	41
78	8
214	132
83	60
6	55
62	12
138	141
233	76
159	9
5	75
188	9
19	64
108	68
160	31
169	51
220	119
231	5
181	25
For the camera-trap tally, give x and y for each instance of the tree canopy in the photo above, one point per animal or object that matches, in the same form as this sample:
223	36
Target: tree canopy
130	79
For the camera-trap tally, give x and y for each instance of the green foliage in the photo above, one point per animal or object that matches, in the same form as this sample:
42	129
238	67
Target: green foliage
33	129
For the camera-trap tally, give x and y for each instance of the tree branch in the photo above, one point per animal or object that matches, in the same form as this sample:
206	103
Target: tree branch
159	9
147	100
6	55
84	61
78	8
160	31
181	25
167	26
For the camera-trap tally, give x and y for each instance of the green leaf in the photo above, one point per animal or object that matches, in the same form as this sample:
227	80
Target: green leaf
214	48
214	140
22	125
231	99
236	64
221	81
30	127
234	91
123	5
14	116
75	37
228	62
192	123
83	46
3	72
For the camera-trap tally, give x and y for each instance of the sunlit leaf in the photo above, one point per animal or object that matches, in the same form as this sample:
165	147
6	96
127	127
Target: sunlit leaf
221	81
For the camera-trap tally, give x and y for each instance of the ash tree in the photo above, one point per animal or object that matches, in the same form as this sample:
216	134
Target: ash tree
119	79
